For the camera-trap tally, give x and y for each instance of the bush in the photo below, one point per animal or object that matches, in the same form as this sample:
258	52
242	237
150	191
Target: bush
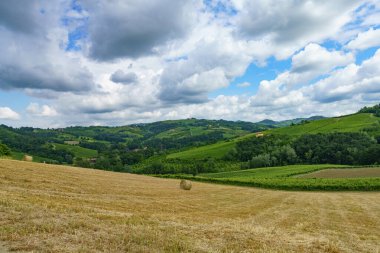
4	150
263	160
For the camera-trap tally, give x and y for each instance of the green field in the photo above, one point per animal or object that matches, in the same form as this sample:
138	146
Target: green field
283	178
350	123
273	172
181	132
19	156
216	150
78	151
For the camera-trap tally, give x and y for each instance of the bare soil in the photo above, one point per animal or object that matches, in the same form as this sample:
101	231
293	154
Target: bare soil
343	173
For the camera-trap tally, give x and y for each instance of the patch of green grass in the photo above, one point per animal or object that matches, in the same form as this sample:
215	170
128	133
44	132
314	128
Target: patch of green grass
282	178
216	150
188	131
19	156
273	172
77	150
349	123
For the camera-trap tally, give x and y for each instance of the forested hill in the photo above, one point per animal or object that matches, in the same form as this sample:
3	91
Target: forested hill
366	120
126	144
178	146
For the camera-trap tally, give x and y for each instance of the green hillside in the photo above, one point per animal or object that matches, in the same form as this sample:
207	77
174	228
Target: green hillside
216	150
349	123
119	147
77	150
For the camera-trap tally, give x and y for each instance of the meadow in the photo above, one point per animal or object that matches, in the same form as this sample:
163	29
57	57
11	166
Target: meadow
284	178
50	208
348	123
77	150
216	150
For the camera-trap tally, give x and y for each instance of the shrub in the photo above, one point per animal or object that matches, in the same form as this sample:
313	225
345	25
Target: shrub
4	150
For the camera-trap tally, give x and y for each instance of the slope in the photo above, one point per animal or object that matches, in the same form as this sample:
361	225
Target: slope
350	123
47	208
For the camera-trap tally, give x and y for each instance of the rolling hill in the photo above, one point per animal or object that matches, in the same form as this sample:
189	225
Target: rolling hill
349	123
138	140
284	123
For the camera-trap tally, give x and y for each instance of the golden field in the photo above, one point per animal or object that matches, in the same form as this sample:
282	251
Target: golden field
46	208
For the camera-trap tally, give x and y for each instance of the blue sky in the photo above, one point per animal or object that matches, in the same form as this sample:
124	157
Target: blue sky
97	63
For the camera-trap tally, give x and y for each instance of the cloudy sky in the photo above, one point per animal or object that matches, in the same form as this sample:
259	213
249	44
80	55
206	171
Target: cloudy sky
116	62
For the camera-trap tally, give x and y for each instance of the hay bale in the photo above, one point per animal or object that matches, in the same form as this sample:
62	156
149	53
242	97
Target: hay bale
185	185
27	158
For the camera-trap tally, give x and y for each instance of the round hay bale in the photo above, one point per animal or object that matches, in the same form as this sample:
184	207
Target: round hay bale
27	158
185	185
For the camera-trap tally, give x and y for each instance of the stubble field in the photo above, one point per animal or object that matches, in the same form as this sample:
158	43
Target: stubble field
47	208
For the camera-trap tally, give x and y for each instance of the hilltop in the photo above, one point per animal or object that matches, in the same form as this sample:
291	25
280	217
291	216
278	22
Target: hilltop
284	123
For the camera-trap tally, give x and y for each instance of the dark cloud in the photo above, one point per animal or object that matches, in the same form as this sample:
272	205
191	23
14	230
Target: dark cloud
32	51
182	96
135	28
124	78
44	77
21	15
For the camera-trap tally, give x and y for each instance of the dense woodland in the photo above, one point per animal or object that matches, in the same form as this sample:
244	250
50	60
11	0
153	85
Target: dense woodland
142	148
332	148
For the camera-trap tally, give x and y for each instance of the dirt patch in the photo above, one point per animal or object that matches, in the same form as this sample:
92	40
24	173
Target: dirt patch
343	173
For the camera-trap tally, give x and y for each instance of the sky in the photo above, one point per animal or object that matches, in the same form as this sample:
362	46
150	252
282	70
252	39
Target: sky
118	62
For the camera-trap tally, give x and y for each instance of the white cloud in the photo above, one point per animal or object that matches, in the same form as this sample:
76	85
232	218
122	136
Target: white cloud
353	80
368	39
307	65
33	52
44	110
211	65
143	61
318	59
8	113
290	25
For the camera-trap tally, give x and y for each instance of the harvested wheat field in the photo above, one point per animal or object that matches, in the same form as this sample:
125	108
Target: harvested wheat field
45	208
343	173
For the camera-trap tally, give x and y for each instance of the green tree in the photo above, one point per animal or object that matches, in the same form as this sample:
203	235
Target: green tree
4	150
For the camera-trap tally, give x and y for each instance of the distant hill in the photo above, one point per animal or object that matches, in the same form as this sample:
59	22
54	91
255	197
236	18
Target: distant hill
118	148
272	123
137	140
